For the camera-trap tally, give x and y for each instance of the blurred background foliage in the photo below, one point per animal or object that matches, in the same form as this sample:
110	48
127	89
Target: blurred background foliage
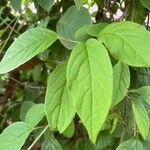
25	86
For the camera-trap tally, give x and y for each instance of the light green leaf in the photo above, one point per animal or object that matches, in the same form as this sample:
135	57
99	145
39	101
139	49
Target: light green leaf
58	105
26	46
46	4
127	42
141	117
91	29
26	105
121	80
14	136
144	92
79	3
89	76
34	115
16	4
68	133
69	23
146	3
130	145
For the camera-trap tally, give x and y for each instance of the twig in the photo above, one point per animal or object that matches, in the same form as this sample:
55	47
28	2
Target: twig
133	10
31	146
125	120
148	17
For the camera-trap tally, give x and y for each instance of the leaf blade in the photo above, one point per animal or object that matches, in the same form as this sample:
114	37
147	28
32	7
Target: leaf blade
38	112
14	136
26	46
141	117
127	40
87	82
121	80
58	105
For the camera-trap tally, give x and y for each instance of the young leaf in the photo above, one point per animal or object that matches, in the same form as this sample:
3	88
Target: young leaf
26	46
89	77
35	115
121	80
69	23
130	145
127	42
144	92
141	117
14	136
46	4
58	105
68	133
146	3
79	3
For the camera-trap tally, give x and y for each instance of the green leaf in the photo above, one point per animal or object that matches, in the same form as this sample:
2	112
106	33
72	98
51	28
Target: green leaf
69	23
144	92
104	140
16	4
79	3
26	46
127	42
26	105
121	80
139	12
36	72
58	105
46	4
130	145
34	115
68	133
141	117
89	76
14	136
84	144
91	29
146	3
51	144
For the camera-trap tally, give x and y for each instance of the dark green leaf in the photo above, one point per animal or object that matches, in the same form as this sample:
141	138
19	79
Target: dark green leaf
46	4
69	23
146	3
79	3
91	29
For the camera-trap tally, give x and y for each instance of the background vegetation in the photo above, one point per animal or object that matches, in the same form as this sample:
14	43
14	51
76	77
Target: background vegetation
25	86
